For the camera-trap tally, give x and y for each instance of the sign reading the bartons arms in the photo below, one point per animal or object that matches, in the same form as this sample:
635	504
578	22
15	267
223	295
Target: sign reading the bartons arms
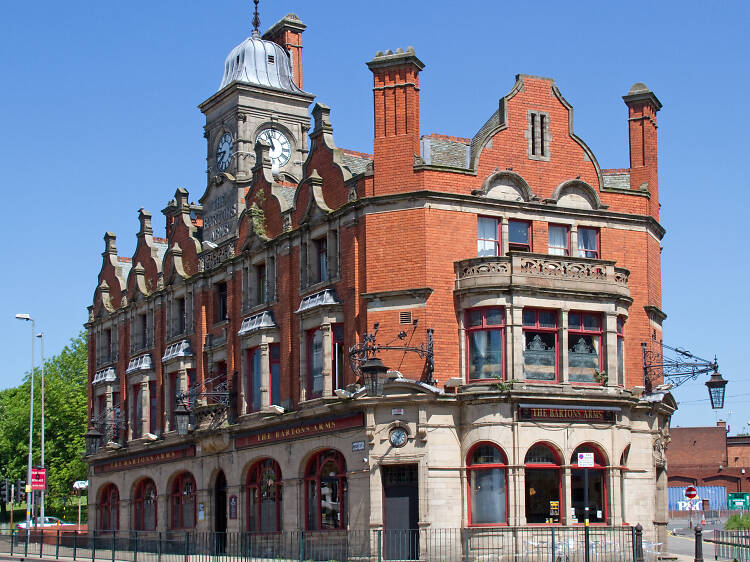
299	430
585	414
135	461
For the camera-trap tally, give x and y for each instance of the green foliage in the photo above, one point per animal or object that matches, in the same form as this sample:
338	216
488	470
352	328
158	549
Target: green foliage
501	385
738	522
601	377
65	409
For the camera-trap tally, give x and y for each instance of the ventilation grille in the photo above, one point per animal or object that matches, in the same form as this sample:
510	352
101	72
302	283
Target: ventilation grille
404	317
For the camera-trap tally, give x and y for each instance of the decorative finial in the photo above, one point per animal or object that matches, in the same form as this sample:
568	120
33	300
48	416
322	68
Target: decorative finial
256	20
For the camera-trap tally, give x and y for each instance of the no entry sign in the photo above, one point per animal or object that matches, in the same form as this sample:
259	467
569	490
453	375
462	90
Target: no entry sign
38	478
691	492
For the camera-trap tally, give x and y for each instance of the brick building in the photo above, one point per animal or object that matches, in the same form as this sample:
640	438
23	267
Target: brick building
521	276
707	456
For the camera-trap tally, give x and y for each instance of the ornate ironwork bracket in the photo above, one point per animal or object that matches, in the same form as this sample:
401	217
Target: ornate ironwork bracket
677	369
208	402
368	348
109	423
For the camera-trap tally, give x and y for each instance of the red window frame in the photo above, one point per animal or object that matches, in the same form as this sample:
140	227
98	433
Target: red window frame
537	327
321	258
337	356
581	330
153	408
179	497
250	395
109	499
582	253
470	467
309	382
557	466
520	246
254	491
497	241
173	378
313	476
600	466
140	498
274	362
484	327
621	350
137	422
566	249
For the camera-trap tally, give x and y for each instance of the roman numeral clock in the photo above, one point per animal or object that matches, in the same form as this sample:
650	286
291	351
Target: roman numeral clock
281	147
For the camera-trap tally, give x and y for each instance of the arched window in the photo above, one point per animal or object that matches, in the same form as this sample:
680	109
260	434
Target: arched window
597	485
145	506
487	480
542	471
109	508
183	502
264	497
325	491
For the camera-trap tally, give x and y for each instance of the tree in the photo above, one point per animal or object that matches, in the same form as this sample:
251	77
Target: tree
65	408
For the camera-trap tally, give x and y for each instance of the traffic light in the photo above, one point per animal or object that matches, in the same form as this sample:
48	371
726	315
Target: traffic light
4	490
20	491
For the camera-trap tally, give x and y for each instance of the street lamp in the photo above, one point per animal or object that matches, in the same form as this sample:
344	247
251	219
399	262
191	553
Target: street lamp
374	371
93	438
40	335
30	502
182	419
716	390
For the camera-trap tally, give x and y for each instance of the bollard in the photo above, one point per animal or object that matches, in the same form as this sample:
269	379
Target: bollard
698	543
639	543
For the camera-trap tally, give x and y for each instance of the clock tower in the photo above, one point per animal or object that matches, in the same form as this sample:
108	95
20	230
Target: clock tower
259	99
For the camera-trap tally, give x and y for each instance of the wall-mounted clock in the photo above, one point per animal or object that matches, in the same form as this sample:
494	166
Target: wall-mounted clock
224	152
281	148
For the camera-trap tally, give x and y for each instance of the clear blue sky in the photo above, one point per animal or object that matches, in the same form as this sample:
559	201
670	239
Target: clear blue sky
99	119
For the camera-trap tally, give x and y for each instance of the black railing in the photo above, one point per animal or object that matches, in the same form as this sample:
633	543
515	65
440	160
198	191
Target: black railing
480	544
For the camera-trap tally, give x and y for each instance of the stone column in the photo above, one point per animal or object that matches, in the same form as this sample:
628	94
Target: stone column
614	481
265	376
145	409
566	500
573	241
515	344
610	348
327	359
563	346
504	236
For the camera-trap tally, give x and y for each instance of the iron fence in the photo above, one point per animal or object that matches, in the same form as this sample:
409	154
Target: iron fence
734	545
481	544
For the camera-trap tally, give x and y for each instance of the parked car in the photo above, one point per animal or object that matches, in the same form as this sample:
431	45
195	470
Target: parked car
45	523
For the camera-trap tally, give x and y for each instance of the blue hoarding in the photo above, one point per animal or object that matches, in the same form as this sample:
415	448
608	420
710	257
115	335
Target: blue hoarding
716	496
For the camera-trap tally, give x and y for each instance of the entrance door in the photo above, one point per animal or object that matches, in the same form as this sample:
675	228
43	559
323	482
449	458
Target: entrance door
401	495
220	513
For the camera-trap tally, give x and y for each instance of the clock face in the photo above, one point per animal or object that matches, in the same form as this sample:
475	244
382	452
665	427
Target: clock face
224	152
398	437
281	148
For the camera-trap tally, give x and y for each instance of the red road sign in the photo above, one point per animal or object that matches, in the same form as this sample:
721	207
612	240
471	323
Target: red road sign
691	492
38	479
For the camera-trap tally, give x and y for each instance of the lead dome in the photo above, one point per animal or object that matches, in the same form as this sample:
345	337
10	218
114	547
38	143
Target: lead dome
261	63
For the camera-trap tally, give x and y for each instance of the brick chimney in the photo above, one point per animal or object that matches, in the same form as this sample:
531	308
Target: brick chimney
287	33
396	107
642	107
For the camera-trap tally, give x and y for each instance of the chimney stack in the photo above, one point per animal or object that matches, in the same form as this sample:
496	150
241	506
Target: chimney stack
287	33
642	107
396	108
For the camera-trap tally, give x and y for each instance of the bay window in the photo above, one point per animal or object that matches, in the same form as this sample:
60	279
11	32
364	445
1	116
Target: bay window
253	380
519	235
620	351
339	353
274	359
487	481
539	344
264	497
485	333
315	363
588	243
584	347
542	475
325	491
559	240
488	237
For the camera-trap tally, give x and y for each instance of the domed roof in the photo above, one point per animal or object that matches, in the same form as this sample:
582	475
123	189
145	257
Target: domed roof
261	63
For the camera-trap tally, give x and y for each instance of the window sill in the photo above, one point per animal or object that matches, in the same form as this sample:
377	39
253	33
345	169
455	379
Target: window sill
318	286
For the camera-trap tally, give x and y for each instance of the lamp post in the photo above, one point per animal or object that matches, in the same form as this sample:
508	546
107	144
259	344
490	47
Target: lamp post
30	498
40	335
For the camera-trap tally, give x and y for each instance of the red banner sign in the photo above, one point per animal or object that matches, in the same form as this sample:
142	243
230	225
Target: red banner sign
38	478
141	460
567	414
308	429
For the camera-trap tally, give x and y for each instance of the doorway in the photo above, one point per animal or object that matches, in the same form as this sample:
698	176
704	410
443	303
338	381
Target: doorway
401	512
220	513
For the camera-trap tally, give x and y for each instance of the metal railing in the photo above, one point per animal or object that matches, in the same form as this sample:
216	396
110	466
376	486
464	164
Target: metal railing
479	544
734	545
